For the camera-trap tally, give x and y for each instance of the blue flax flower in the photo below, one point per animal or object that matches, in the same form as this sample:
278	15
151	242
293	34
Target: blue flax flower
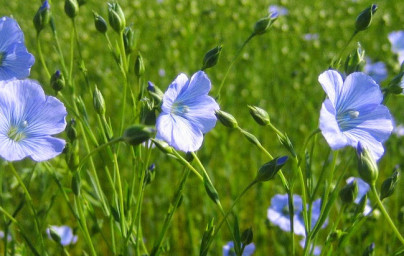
187	112
65	233
276	11
15	60
376	70
229	251
278	213
396	39
354	112
28	118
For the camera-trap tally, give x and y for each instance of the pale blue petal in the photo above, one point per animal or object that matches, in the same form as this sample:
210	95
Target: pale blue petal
376	70
17	62
202	113
178	133
65	233
396	39
249	250
375	147
332	83
329	127
358	90
10	33
199	85
363	187
173	92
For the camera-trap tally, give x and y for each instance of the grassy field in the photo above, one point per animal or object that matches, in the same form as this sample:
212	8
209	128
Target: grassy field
276	71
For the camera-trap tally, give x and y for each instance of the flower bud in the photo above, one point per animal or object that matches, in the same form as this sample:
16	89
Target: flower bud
211	57
395	85
211	190
129	40
349	192
42	16
270	169
71	130
57	81
76	183
98	102
116	17
260	116
100	23
155	92
262	25
81	106
370	250
355	61
54	235
365	18
389	185
247	236
150	174
226	119
137	134
71	8
139	65
206	238
72	155
163	146
251	138
367	166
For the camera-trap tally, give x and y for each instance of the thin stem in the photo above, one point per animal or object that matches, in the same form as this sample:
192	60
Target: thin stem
30	202
385	214
124	69
87	236
38	44
187	164
343	49
232	63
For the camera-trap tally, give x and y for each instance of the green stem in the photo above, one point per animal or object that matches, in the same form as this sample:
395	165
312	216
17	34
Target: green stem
385	214
343	49
124	69
87	236
232	63
38	43
187	164
31	204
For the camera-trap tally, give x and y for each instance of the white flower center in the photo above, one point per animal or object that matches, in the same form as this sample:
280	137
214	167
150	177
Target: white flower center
179	109
17	133
345	119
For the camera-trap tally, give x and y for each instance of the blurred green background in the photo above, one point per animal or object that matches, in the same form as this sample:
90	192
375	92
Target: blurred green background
276	71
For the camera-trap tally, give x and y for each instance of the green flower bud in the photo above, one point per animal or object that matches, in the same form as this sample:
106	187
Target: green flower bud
226	119
150	174
262	25
370	250
365	18
57	81
389	185
54	235
42	16
270	169
116	17
71	130
155	92
395	84
76	183
129	40
211	57
100	23
211	190
349	192
251	138
72	155
206	238
98	102
71	8
163	146
247	236
137	134
260	116
355	61
81	106
139	65
367	166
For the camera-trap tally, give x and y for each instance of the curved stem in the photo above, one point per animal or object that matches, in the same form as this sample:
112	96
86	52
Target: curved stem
38	44
385	214
232	63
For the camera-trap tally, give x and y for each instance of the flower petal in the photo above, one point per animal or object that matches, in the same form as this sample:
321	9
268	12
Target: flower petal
202	113
173	91
332	83
10	33
199	85
358	90
178	133
17	62
329	126
374	146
